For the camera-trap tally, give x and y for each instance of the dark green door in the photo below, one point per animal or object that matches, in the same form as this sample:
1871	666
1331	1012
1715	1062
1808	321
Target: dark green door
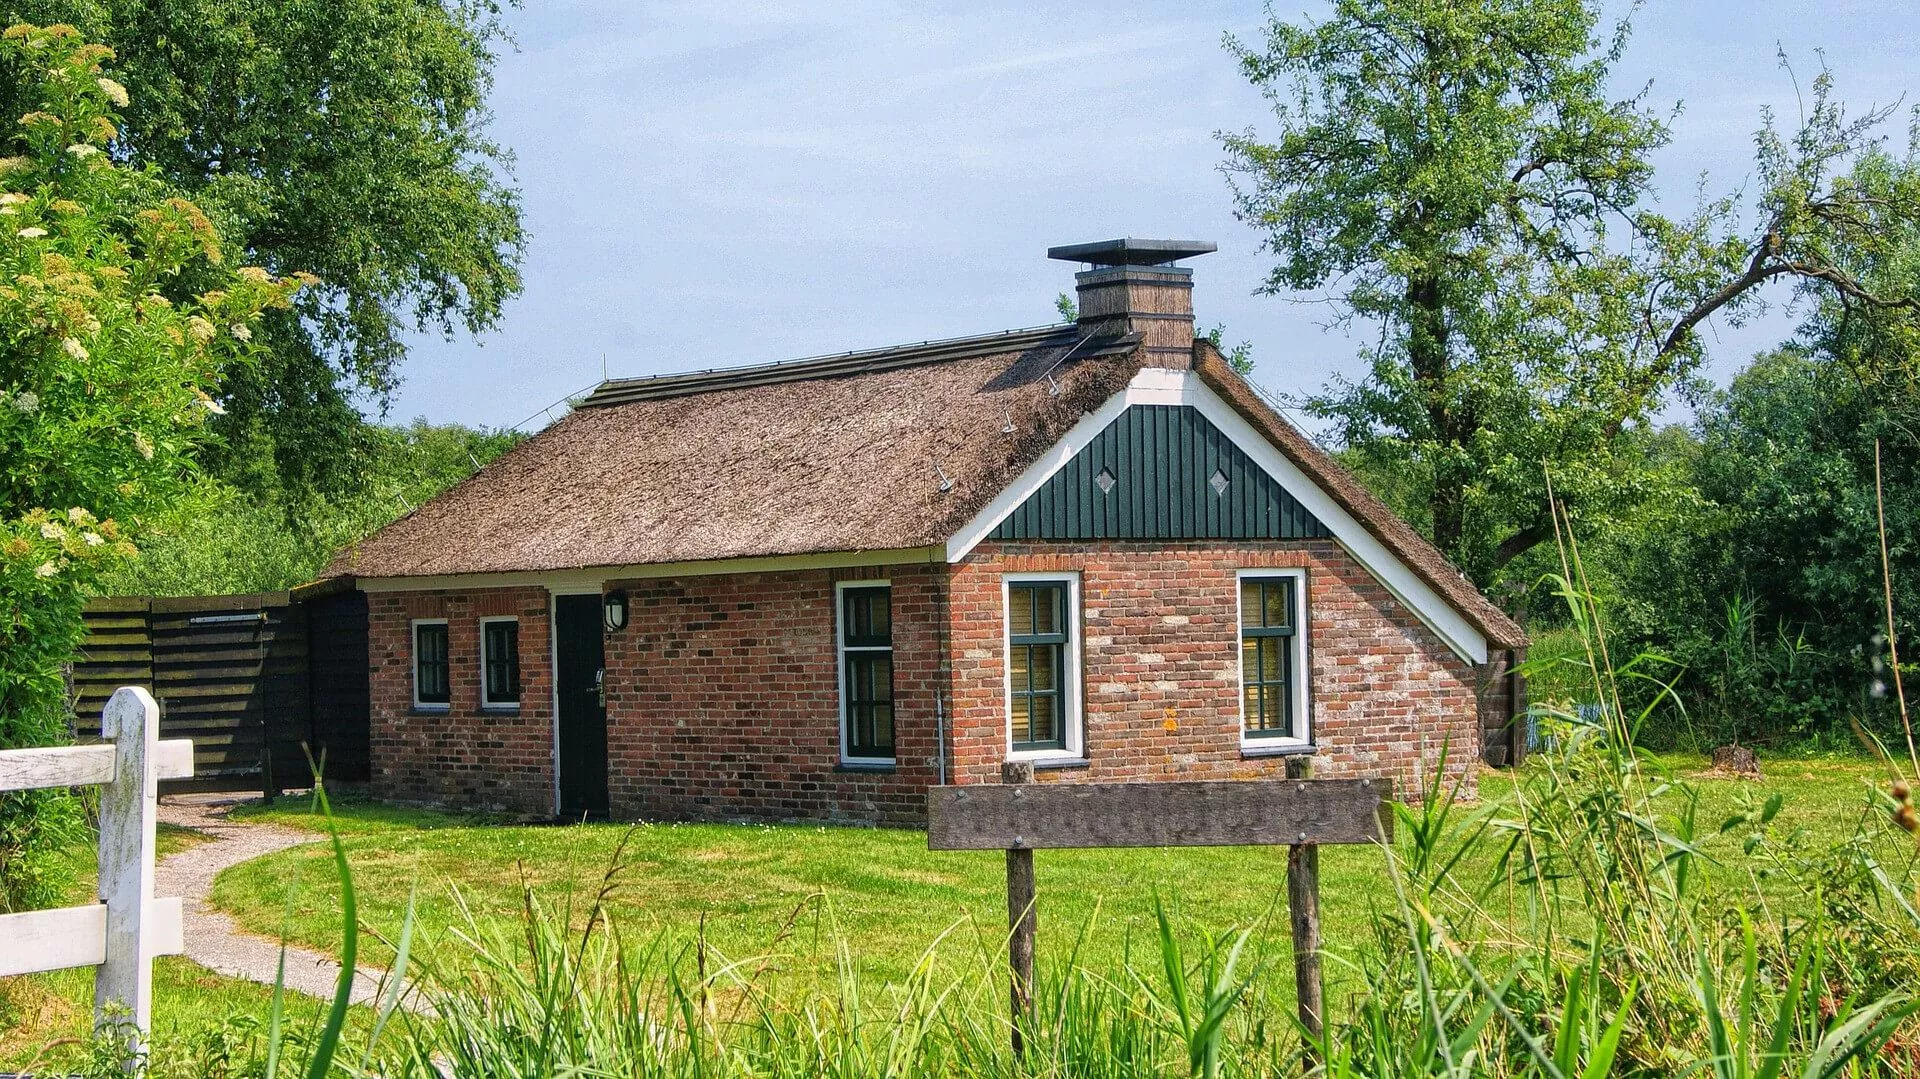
579	665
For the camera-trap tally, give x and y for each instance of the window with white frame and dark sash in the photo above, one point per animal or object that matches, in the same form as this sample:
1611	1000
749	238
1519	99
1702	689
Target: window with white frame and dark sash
866	673
1272	658
500	662
432	685
1040	662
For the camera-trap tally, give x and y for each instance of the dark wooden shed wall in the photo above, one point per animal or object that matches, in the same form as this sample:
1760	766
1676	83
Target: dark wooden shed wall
255	680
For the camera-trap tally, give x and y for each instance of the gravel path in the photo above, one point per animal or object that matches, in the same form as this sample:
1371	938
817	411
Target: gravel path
213	940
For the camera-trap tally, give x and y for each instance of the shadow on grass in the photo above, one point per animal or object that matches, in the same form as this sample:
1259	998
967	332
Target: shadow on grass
356	814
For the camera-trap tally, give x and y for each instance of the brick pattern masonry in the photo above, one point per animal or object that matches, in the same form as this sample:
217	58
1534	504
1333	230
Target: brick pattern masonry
724	700
1160	661
723	691
465	756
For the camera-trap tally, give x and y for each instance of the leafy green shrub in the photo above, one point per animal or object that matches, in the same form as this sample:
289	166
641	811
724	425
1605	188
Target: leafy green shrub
121	317
1771	597
222	540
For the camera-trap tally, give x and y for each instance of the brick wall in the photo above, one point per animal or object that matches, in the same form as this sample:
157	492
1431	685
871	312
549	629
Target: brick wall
723	699
1160	668
464	756
723	694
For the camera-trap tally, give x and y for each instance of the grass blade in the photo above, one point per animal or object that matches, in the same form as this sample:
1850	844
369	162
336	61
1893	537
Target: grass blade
329	1041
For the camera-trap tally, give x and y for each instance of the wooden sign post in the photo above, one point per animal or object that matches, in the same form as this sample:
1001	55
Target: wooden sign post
1023	920
1299	812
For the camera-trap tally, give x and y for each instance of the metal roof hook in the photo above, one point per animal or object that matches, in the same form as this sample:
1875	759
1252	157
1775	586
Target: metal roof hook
1053	388
946	481
1008	428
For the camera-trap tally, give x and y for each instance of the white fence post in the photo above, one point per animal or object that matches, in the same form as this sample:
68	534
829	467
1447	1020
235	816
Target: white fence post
128	927
123	985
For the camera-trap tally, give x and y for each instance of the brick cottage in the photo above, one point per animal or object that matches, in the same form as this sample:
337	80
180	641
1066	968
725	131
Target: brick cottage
810	590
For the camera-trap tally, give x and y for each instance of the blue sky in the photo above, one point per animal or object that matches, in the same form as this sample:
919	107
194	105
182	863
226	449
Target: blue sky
710	184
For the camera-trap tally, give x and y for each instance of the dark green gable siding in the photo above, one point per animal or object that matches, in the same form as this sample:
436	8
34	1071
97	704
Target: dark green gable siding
1160	462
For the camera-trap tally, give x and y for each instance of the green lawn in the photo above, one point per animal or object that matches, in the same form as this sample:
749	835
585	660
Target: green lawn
45	1019
797	891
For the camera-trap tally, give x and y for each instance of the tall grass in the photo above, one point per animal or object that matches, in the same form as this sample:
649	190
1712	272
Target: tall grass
1598	945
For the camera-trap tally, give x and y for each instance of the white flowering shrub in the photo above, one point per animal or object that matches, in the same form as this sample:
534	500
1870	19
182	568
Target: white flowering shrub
118	318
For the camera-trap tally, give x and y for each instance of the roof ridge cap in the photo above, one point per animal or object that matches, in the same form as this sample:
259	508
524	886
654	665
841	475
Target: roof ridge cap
684	383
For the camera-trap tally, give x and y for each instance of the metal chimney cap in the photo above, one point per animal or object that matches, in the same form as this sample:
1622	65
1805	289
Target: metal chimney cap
1131	252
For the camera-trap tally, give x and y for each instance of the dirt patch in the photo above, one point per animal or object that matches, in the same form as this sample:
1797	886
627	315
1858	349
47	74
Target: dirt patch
32	1014
921	876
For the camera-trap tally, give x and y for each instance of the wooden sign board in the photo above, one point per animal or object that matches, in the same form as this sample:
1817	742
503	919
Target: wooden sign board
1029	816
1298	812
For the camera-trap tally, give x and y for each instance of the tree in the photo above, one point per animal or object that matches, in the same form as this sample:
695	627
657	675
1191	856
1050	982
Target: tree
1772	595
346	139
224	541
119	317
1769	598
1458	176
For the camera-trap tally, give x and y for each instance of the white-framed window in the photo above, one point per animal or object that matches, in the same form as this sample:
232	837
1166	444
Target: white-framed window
1275	704
1041	637
432	670
864	632
500	662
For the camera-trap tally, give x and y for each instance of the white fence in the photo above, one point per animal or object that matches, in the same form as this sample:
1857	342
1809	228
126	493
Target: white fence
122	933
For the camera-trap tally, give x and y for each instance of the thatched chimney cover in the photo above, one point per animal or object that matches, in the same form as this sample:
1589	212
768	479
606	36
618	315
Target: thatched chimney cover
1133	288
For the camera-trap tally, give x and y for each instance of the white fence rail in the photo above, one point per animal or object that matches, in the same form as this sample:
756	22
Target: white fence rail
122	933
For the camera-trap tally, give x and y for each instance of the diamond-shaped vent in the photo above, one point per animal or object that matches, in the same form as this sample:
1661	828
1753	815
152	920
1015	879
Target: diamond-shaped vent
1218	482
1105	481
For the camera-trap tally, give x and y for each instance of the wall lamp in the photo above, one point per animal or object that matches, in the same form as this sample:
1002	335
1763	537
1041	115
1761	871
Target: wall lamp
615	608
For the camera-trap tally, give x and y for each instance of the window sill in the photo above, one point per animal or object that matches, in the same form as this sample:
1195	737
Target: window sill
430	709
1043	753
1287	749
881	767
500	709
1047	764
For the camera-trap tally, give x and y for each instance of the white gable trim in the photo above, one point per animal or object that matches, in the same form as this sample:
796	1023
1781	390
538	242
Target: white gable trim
1159	386
1152	386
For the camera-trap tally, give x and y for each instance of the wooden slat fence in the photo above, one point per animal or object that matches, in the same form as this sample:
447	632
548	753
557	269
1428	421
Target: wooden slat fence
341	722
251	679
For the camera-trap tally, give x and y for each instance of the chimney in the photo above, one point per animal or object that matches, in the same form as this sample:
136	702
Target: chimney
1133	288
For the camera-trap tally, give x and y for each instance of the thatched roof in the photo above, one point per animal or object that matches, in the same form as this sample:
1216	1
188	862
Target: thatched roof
846	453
885	450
